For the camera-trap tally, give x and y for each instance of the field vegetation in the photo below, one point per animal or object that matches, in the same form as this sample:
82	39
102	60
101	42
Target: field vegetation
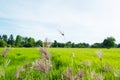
59	64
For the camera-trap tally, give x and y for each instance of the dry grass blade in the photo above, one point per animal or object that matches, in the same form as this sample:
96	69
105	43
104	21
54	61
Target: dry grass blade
68	74
106	68
100	55
96	76
5	52
42	65
45	53
47	43
19	69
27	65
80	74
86	63
72	55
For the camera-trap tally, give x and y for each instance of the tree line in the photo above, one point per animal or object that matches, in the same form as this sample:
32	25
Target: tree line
20	41
109	42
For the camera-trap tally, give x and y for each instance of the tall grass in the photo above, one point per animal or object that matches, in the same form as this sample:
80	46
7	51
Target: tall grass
60	64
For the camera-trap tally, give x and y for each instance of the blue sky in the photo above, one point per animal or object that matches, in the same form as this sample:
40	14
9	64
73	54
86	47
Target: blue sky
81	20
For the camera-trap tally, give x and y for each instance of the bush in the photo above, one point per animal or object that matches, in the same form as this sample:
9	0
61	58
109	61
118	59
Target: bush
3	43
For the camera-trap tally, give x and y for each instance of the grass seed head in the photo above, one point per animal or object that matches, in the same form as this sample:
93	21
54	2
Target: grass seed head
42	65
100	55
5	52
80	74
45	53
96	76
106	68
27	65
68	74
72	55
86	63
47	43
18	71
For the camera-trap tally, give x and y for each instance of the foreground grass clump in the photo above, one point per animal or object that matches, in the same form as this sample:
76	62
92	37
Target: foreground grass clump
59	64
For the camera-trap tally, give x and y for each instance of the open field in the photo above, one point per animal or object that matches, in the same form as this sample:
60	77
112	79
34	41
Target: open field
66	64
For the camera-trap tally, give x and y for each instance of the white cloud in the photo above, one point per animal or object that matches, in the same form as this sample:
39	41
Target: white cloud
85	21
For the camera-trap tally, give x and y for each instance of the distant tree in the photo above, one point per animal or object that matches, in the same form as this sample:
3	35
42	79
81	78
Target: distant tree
109	42
61	45
5	38
11	40
3	43
30	42
24	41
73	45
68	44
77	45
83	45
18	41
80	45
55	44
97	45
118	46
0	37
39	43
86	45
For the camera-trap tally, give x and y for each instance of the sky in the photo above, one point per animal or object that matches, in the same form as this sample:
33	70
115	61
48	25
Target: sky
87	21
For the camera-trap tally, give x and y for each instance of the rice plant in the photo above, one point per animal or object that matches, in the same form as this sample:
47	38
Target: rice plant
60	64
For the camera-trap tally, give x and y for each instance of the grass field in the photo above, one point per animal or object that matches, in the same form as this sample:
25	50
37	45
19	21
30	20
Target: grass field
66	64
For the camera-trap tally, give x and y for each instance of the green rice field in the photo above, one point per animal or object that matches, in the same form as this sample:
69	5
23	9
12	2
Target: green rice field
65	64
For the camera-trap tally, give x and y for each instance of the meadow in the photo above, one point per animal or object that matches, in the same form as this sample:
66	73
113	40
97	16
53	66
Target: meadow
60	64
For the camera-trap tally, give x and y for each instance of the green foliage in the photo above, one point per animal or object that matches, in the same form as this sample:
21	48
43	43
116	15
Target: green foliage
5	38
55	44
3	43
18	41
118	46
97	45
30	42
24	41
68	44
83	59
11	40
0	37
83	45
39	43
109	42
73	45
